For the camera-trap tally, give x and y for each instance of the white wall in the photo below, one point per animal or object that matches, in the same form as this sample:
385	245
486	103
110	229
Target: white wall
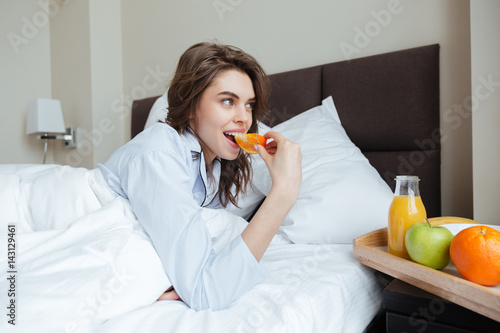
485	78
24	75
68	50
285	35
87	77
107	78
71	79
83	63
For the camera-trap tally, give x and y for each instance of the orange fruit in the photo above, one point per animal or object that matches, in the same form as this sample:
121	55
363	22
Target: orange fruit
475	251
249	140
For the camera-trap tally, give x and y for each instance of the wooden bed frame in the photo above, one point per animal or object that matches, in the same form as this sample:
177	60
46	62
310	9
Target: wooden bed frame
387	103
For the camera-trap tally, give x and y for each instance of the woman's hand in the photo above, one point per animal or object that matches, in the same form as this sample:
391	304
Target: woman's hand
283	158
169	295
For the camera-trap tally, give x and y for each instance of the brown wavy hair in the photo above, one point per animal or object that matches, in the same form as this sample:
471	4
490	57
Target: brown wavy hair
196	70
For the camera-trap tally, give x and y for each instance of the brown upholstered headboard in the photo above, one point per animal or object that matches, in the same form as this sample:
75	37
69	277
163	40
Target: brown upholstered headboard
387	103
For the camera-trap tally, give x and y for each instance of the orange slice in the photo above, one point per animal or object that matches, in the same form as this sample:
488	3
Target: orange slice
249	140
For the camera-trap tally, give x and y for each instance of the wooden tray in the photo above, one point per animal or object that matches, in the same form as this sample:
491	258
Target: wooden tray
446	283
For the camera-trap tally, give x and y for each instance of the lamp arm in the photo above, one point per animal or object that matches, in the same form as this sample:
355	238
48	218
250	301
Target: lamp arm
45	150
45	136
69	138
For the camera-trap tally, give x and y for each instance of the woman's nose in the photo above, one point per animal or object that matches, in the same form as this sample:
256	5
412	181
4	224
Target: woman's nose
242	114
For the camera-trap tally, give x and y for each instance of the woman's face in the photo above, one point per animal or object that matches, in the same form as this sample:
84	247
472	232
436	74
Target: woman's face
225	109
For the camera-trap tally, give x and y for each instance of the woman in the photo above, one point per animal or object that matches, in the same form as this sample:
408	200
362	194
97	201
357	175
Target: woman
173	169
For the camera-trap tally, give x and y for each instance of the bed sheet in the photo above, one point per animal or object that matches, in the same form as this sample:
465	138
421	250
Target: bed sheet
84	264
309	288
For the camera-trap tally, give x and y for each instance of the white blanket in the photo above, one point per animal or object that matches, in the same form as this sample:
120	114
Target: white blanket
84	264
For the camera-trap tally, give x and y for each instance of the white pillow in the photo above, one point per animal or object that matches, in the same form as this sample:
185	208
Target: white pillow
342	196
158	111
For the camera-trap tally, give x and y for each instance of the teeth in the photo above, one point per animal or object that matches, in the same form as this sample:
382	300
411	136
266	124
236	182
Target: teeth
234	133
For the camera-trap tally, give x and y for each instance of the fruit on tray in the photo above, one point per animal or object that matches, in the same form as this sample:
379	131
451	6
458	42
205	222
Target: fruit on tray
248	141
475	251
449	219
428	245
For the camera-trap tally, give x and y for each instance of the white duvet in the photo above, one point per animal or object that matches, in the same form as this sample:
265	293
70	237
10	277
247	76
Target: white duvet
84	264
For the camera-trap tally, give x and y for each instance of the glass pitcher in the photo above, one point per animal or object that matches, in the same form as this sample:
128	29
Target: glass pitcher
406	209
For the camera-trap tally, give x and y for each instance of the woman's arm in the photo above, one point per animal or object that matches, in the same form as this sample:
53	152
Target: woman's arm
159	188
283	159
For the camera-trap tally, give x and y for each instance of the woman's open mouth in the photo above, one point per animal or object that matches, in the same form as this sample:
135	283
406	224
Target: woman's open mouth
230	136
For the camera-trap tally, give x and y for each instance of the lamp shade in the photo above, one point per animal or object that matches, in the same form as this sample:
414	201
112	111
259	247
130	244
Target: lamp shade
45	116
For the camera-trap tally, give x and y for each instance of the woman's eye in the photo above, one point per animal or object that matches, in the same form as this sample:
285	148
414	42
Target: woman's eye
227	102
250	106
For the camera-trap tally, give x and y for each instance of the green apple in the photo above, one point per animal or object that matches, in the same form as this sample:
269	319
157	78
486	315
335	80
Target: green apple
428	245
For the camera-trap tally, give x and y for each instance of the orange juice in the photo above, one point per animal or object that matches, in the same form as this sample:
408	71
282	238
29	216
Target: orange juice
403	212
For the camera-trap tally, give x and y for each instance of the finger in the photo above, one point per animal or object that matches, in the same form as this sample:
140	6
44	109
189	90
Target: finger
271	151
274	135
271	144
262	153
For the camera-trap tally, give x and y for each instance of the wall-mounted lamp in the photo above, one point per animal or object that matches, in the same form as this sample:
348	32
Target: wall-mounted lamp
45	117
